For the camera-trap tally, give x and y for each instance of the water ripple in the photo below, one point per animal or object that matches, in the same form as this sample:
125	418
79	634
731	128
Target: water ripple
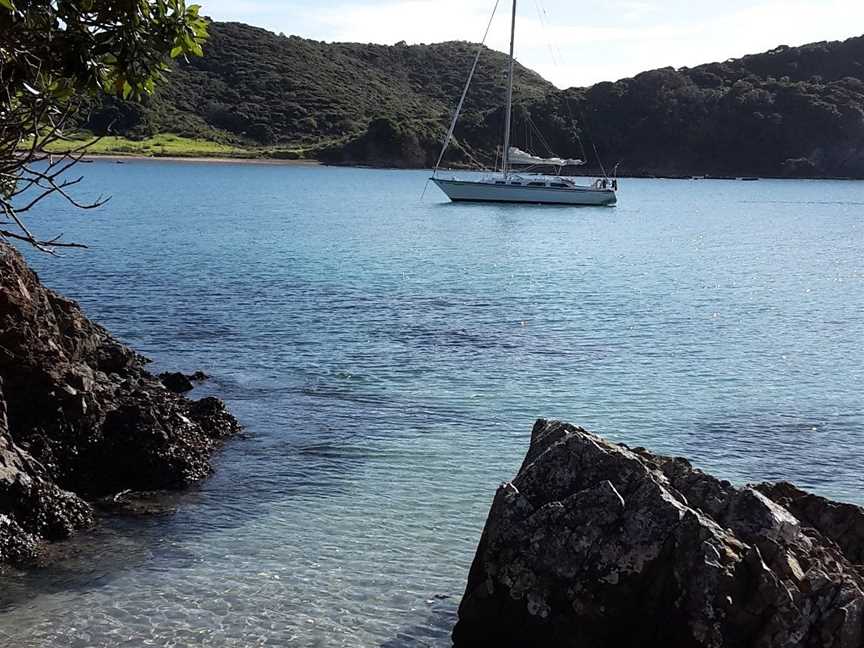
388	358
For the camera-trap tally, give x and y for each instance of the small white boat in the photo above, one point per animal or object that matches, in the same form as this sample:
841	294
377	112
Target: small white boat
510	187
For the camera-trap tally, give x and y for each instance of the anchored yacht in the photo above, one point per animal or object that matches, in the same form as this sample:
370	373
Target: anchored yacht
520	187
528	188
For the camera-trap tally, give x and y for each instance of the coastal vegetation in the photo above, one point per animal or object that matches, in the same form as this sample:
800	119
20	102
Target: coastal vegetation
160	145
788	112
293	97
793	111
53	57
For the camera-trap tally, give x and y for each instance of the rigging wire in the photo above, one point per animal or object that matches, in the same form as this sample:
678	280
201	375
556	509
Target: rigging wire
462	100
467	85
553	49
473	159
541	12
539	134
599	161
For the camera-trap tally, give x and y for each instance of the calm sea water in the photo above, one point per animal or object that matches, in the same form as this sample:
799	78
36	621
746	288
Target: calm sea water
389	356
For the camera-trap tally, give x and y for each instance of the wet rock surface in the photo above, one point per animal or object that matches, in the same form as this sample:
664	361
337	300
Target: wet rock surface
594	545
136	504
181	383
81	419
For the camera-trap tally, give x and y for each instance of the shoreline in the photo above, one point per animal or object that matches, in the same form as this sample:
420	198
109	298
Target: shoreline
113	432
119	157
265	161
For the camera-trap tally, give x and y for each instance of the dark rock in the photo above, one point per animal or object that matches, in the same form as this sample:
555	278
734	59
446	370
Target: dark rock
42	509
841	523
16	545
180	383
81	418
594	545
177	382
211	415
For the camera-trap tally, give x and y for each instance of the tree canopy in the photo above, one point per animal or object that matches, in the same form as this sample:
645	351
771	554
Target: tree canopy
253	87
794	111
53	54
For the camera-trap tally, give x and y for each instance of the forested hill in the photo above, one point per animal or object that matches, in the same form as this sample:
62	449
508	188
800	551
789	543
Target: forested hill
796	111
290	93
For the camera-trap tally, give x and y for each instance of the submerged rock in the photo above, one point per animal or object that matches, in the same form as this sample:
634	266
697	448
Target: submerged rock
81	419
136	504
594	545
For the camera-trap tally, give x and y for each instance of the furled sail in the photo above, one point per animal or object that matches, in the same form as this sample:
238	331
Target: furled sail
518	156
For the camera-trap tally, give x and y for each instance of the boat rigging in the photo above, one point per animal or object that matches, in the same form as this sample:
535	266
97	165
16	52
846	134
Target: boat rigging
519	187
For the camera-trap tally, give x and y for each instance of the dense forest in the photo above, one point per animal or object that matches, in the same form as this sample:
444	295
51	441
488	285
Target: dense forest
793	111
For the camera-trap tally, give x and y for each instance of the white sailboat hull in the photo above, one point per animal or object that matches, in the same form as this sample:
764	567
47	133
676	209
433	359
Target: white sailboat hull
473	191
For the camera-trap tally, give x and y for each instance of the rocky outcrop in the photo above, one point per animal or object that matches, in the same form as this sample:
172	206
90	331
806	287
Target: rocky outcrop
180	383
842	523
594	545
81	418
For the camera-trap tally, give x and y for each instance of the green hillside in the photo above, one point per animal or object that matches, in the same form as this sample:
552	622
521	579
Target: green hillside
796	111
254	88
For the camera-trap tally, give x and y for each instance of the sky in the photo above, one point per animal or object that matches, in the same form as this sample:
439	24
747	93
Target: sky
569	42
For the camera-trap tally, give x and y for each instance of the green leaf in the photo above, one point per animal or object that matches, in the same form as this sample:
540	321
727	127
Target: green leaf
61	91
7	4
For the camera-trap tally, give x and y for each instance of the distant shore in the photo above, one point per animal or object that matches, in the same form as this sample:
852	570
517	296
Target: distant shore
119	157
268	161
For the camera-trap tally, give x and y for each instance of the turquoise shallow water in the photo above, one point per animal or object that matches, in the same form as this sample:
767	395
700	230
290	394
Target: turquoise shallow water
389	356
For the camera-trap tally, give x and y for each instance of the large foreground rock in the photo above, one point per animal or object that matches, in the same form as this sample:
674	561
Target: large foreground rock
81	418
594	545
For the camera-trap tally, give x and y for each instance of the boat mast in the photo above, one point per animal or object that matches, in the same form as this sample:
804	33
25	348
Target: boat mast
506	163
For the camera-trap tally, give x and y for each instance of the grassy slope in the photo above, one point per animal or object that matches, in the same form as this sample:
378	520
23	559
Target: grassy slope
163	145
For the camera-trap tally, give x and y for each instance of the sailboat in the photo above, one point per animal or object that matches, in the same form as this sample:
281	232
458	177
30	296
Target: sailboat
520	187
